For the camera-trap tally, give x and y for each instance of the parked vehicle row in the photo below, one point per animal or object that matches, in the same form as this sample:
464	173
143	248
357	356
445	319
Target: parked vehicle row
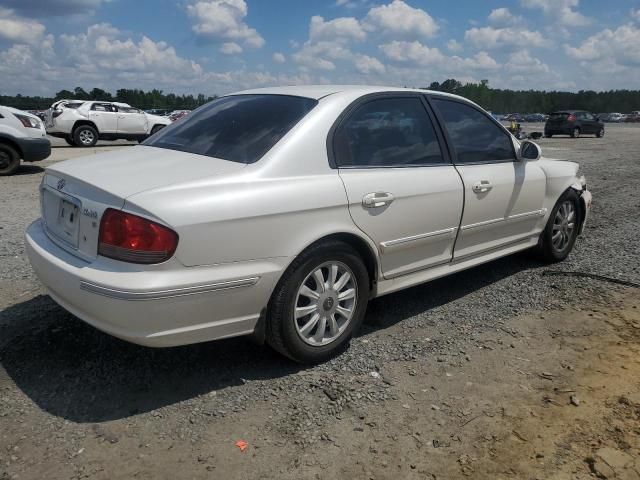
280	212
83	123
22	137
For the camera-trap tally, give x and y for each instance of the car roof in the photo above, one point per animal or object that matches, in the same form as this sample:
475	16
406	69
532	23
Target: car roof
320	91
19	112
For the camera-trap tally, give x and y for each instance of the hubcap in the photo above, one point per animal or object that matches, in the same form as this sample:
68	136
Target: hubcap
86	137
5	161
563	226
325	303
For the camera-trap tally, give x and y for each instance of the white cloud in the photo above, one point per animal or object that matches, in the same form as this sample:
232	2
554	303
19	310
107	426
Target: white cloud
279	57
321	55
523	63
368	65
398	18
454	46
635	14
19	30
503	17
415	51
347	28
490	37
230	48
222	20
103	48
618	46
563	11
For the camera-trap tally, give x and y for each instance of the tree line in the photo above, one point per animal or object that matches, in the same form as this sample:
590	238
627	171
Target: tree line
135	97
538	101
493	99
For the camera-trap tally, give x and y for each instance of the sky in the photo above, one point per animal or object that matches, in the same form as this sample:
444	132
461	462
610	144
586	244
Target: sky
221	46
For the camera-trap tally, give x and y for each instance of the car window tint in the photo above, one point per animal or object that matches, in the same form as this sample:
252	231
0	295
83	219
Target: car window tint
387	132
474	136
240	128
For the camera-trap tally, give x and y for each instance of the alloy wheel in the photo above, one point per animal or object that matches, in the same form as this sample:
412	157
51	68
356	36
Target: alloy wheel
325	303
564	224
86	137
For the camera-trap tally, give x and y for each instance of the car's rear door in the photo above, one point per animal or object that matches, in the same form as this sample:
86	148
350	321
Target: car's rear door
104	117
503	199
403	191
131	121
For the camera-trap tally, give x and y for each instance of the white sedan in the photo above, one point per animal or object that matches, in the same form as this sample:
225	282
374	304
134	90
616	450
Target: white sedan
280	212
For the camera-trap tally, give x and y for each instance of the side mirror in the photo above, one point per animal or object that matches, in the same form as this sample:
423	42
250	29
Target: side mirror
530	150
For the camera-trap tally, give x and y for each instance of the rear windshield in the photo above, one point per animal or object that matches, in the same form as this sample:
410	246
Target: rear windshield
240	128
557	115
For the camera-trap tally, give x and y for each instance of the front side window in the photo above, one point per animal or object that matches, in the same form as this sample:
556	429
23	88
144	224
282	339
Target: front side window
474	136
388	132
239	128
102	107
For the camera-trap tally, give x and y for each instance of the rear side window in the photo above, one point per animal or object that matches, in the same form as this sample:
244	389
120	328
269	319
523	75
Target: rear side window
475	137
388	132
239	128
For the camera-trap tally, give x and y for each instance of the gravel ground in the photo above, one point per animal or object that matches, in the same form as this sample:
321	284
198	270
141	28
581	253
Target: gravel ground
75	403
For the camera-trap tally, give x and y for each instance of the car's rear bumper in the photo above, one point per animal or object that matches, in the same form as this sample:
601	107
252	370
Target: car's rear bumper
34	149
159	309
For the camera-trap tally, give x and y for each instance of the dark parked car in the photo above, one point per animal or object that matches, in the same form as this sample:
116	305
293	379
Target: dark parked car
534	118
573	123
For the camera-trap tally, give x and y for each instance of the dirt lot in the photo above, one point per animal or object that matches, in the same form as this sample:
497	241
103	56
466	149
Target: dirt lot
501	372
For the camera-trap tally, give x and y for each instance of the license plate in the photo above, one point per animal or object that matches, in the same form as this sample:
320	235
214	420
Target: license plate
62	217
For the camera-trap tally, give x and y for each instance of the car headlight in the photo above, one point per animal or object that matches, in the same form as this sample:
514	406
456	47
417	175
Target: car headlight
583	182
28	122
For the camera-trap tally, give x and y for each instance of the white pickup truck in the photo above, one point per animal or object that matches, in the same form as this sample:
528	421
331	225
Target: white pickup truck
82	123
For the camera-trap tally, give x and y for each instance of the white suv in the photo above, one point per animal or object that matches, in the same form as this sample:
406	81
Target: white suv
22	136
83	123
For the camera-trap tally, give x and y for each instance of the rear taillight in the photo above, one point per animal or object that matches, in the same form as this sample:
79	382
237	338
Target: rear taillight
130	238
571	118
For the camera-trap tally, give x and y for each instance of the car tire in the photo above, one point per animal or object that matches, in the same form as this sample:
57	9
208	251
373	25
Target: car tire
575	133
292	310
85	136
70	141
560	234
9	160
600	133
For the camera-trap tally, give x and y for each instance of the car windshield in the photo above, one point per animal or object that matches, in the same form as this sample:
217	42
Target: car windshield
239	128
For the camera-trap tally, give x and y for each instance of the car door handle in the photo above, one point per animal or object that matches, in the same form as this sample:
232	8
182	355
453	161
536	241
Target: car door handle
483	186
120	116
377	199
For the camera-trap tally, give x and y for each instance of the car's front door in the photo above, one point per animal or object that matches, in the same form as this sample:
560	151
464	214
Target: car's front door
104	117
403	191
131	121
590	122
503	195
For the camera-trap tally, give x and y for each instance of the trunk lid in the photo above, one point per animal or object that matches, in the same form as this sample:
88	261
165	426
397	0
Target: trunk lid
74	194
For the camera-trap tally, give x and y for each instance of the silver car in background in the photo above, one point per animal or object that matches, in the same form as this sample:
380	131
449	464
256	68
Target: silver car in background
280	212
